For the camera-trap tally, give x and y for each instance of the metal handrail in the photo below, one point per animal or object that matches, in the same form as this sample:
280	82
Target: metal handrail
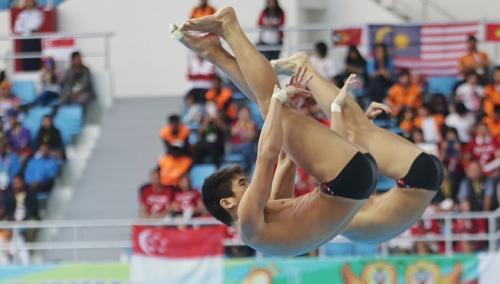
56	35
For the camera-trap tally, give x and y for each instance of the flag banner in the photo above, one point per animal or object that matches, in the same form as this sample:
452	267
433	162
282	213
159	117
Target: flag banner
170	255
346	37
492	32
429	49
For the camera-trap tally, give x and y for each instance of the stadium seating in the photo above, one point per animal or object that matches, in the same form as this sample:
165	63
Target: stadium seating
384	183
443	85
33	119
69	120
233	158
339	249
24	90
199	173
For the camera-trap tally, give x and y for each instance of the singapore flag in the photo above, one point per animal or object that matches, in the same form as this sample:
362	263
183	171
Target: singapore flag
170	255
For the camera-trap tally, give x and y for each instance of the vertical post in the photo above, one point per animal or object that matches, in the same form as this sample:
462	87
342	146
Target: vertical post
447	235
492	236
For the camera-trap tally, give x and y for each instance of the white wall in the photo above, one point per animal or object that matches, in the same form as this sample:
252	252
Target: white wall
5	46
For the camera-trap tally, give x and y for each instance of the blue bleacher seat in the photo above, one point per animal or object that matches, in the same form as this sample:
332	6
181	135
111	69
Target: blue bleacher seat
33	119
365	249
4	4
193	137
443	85
24	90
69	121
233	158
339	249
385	183
199	173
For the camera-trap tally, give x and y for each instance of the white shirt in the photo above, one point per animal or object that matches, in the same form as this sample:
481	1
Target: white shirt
430	130
200	72
324	66
462	124
471	96
28	21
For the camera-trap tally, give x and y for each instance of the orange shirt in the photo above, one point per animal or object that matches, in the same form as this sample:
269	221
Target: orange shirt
223	101
407	125
199	12
470	60
167	135
400	96
493	126
171	169
492	98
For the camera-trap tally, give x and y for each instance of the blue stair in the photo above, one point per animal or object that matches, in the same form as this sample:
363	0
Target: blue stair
69	121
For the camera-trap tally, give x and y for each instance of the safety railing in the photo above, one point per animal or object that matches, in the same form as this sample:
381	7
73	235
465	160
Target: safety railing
76	243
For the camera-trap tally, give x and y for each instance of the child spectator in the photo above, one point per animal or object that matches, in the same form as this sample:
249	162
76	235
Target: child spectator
211	142
42	170
470	93
155	198
173	166
404	93
462	120
492	93
322	62
200	74
194	111
77	86
220	98
429	123
175	134
202	10
187	201
474	60
482	148
271	20
381	70
243	135
10	165
50	135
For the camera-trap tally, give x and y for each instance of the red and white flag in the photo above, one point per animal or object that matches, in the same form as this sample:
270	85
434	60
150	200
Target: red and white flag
170	255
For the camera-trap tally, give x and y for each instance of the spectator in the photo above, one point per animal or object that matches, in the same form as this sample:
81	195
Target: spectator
77	87
381	70
492	93
173	166
194	111
404	93
493	123
322	62
50	89
470	93
211	141
450	154
407	121
155	199
462	120
475	61
28	21
220	99
204	9
200	74
42	170
10	165
417	137
439	104
271	21
187	201
8	101
429	123
22	203
243	136
3	134
354	63
175	134
482	148
19	138
50	135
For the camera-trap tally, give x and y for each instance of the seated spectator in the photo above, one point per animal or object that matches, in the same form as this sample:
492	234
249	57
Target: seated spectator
243	135
42	170
50	89
322	62
155	198
354	64
51	136
381	70
492	93
470	93
450	150
271	21
482	148
175	134
417	137
430	124
10	164
173	166
476	194
22	203
439	104
407	121
194	111
474	60
212	139
3	134
19	138
77	87
204	9
404	93
462	120
493	123
220	99
8	101
200	75
187	201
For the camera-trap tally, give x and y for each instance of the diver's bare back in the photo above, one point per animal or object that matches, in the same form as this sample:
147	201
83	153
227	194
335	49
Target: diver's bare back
297	225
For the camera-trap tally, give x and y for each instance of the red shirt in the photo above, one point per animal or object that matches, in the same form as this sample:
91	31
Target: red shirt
187	200
156	202
482	150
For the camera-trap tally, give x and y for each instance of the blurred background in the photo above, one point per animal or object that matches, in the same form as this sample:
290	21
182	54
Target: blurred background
85	84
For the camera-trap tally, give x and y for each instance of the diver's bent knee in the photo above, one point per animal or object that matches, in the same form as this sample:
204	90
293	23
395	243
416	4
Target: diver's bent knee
426	172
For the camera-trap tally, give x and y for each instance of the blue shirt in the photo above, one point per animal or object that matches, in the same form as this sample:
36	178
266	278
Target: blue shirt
371	67
10	164
41	169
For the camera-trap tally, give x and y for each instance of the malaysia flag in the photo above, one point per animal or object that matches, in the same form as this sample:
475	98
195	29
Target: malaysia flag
170	255
429	49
